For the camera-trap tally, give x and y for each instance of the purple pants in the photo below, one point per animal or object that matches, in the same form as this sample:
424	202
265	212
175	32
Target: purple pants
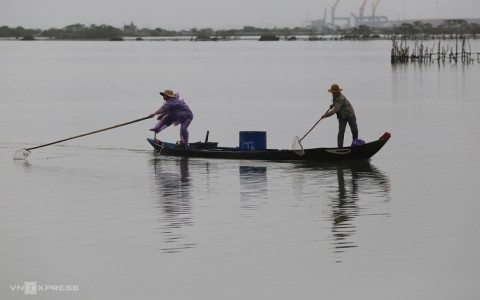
166	121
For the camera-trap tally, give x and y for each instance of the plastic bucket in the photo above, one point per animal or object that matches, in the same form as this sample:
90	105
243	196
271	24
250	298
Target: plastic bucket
253	140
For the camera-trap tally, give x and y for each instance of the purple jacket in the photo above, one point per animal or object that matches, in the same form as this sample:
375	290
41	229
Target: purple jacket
176	110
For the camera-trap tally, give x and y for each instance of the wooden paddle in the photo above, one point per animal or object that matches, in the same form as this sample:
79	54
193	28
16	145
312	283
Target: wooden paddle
23	154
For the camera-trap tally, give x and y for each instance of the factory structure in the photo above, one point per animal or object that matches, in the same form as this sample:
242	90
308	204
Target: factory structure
363	17
367	16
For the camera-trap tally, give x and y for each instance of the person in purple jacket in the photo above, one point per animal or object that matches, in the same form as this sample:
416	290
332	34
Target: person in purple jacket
174	111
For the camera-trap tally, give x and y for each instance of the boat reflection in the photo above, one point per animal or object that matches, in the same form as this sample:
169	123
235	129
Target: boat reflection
172	179
359	186
253	186
352	189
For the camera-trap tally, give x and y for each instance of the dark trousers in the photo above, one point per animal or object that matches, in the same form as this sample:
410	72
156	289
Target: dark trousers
342	125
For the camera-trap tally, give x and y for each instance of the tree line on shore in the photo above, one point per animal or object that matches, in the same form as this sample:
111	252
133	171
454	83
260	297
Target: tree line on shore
415	30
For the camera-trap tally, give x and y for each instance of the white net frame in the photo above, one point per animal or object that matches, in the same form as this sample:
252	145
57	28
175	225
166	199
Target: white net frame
297	146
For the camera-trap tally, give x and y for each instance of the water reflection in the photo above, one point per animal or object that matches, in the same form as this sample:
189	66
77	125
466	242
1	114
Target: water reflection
173	184
345	209
353	189
359	185
253	186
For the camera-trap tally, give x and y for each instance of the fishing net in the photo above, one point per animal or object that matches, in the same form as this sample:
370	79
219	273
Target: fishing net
297	146
21	154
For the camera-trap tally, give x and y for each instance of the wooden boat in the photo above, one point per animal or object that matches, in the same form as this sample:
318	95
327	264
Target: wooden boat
269	37
211	150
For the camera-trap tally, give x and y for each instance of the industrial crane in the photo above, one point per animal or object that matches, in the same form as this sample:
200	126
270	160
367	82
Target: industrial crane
360	19
362	10
374	8
334	7
374	19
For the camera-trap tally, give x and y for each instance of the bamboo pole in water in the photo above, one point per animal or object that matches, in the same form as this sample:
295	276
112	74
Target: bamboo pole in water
400	53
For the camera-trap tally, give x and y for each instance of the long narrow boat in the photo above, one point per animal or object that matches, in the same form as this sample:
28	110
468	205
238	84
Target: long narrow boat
211	150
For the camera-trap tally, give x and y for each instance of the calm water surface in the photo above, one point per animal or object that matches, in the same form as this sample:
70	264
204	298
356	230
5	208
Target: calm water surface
107	214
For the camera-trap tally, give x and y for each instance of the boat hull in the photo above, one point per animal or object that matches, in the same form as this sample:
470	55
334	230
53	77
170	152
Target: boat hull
360	152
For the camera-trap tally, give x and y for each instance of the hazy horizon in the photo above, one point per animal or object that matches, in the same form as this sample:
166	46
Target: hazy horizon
216	14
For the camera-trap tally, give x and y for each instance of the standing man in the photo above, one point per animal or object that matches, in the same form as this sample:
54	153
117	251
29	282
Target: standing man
345	114
174	111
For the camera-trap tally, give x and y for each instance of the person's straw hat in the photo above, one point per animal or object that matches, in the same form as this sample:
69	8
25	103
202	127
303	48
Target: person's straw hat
168	93
335	89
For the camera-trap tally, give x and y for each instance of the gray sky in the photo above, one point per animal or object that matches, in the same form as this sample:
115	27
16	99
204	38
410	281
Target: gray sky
216	14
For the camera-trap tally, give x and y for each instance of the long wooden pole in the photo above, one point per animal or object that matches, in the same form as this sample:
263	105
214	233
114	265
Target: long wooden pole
313	126
89	133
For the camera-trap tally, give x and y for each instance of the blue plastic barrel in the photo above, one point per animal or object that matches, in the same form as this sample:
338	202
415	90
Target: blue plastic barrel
253	140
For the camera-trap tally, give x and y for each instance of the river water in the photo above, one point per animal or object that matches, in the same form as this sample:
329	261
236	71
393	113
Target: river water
104	217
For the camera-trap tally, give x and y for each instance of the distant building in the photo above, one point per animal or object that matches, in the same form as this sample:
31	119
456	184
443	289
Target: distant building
380	21
433	22
319	24
130	28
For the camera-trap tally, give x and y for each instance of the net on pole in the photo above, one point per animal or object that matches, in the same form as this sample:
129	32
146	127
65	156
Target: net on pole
21	154
297	146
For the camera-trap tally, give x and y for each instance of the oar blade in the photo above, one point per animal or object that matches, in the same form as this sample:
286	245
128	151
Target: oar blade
297	147
21	154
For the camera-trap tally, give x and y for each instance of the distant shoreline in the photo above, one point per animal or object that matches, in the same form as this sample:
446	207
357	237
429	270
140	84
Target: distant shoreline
237	38
450	29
